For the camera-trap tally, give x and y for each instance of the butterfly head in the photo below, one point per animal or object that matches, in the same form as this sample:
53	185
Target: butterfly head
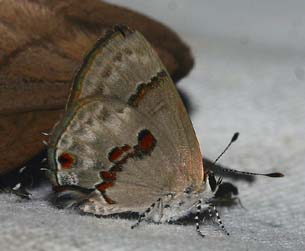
213	183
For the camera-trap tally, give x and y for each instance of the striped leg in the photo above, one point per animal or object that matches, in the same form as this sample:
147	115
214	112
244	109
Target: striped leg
158	203
213	208
210	212
197	218
144	215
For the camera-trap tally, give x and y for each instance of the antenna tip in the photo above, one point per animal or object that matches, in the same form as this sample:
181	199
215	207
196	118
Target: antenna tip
275	175
235	137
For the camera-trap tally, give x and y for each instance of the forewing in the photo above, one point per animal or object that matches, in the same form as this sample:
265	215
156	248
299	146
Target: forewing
124	66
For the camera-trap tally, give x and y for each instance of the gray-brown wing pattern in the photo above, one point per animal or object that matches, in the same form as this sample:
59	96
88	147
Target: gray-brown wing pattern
105	145
124	66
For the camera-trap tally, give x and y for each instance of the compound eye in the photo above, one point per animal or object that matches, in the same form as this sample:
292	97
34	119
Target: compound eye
66	160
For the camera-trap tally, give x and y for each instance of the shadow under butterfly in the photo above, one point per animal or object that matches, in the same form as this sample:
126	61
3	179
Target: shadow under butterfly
126	143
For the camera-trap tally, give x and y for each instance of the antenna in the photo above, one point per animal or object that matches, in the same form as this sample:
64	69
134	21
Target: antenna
234	138
272	175
229	170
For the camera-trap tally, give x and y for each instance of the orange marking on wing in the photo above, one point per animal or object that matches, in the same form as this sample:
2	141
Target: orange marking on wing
103	186
108	199
117	152
108	175
146	141
146	144
66	160
126	148
144	88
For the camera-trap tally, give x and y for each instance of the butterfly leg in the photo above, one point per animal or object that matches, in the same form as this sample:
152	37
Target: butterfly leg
212	208
198	211
156	207
144	215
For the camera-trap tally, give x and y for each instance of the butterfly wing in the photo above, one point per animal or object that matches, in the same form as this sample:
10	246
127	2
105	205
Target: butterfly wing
105	145
124	66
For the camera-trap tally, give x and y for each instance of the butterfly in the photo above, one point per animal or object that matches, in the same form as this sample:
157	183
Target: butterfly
126	142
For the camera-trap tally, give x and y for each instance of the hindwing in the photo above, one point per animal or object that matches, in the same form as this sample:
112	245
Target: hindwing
124	66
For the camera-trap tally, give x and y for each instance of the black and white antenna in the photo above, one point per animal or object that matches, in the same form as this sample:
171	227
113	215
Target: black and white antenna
229	170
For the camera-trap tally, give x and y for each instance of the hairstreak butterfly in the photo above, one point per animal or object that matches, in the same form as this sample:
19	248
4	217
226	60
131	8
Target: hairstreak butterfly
126	143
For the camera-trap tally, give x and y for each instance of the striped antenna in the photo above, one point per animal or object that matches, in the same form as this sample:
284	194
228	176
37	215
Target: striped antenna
229	170
272	175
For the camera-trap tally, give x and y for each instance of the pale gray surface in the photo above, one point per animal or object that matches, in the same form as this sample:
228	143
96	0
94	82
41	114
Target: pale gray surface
249	77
